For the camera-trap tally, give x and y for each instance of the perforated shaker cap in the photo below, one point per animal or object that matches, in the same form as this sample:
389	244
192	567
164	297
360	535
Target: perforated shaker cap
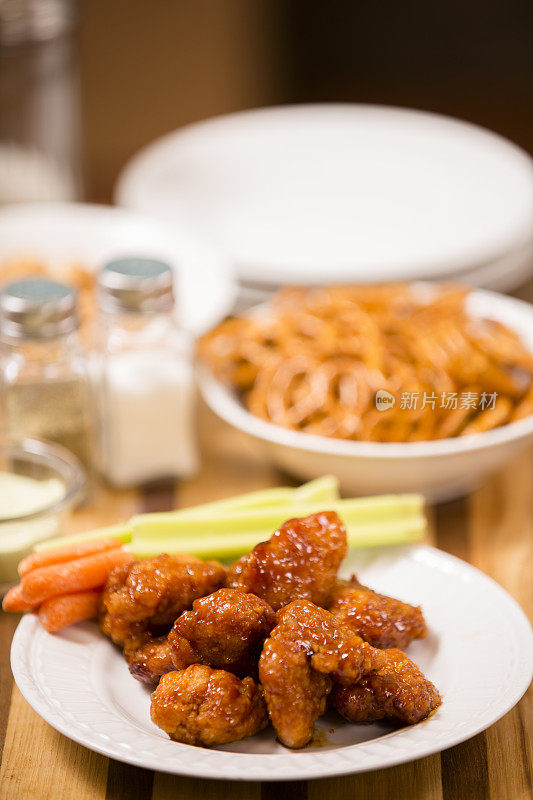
37	308
141	285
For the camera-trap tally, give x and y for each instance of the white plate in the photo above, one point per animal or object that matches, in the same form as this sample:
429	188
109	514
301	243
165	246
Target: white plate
59	233
316	193
478	653
503	275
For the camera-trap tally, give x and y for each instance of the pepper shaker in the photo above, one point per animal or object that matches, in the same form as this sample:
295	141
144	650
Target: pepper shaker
45	385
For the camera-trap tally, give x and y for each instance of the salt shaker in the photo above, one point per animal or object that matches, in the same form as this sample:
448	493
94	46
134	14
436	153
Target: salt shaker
146	386
45	385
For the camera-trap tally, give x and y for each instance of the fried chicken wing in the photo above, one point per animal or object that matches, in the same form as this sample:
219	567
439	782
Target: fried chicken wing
333	649
204	706
148	595
304	652
398	690
225	630
152	659
295	694
300	560
381	621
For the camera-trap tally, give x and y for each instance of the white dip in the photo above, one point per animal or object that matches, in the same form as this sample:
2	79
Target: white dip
21	495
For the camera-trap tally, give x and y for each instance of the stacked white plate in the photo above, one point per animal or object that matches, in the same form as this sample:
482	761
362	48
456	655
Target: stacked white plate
336	193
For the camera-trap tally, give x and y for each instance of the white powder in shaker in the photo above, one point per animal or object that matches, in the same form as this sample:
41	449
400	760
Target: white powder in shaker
149	428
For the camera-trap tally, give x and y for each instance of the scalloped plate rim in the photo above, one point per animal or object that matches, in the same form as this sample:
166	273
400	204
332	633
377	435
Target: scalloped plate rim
226	765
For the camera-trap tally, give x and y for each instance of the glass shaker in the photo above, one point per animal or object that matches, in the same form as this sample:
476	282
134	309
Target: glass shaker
146	397
40	109
45	387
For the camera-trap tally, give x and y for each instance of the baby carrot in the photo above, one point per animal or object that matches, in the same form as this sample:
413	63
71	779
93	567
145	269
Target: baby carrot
57	555
13	600
88	572
58	612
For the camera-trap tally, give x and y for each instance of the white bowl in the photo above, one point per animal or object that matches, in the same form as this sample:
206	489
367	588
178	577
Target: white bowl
340	192
439	469
91	235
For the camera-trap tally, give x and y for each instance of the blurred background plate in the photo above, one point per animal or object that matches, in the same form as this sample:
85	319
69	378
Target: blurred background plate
341	192
90	235
501	275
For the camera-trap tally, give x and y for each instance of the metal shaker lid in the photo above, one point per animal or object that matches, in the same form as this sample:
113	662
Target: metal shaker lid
141	285
37	308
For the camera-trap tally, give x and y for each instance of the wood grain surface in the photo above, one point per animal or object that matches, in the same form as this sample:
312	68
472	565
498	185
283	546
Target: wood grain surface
492	529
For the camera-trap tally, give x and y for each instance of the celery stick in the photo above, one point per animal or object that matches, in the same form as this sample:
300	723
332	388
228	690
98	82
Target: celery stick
280	495
319	489
324	489
374	533
122	533
352	511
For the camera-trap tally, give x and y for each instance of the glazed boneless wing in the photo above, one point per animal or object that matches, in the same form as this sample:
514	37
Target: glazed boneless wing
333	649
154	657
148	595
225	630
204	706
398	690
300	560
380	620
296	694
304	652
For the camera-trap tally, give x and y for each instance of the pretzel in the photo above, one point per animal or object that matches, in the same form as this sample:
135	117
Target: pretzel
313	360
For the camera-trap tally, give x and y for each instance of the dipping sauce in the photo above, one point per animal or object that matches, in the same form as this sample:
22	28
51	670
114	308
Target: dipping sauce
21	495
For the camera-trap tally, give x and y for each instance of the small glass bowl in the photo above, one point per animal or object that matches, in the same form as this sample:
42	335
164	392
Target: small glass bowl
41	461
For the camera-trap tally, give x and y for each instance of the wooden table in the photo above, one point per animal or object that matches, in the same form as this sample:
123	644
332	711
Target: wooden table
492	529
